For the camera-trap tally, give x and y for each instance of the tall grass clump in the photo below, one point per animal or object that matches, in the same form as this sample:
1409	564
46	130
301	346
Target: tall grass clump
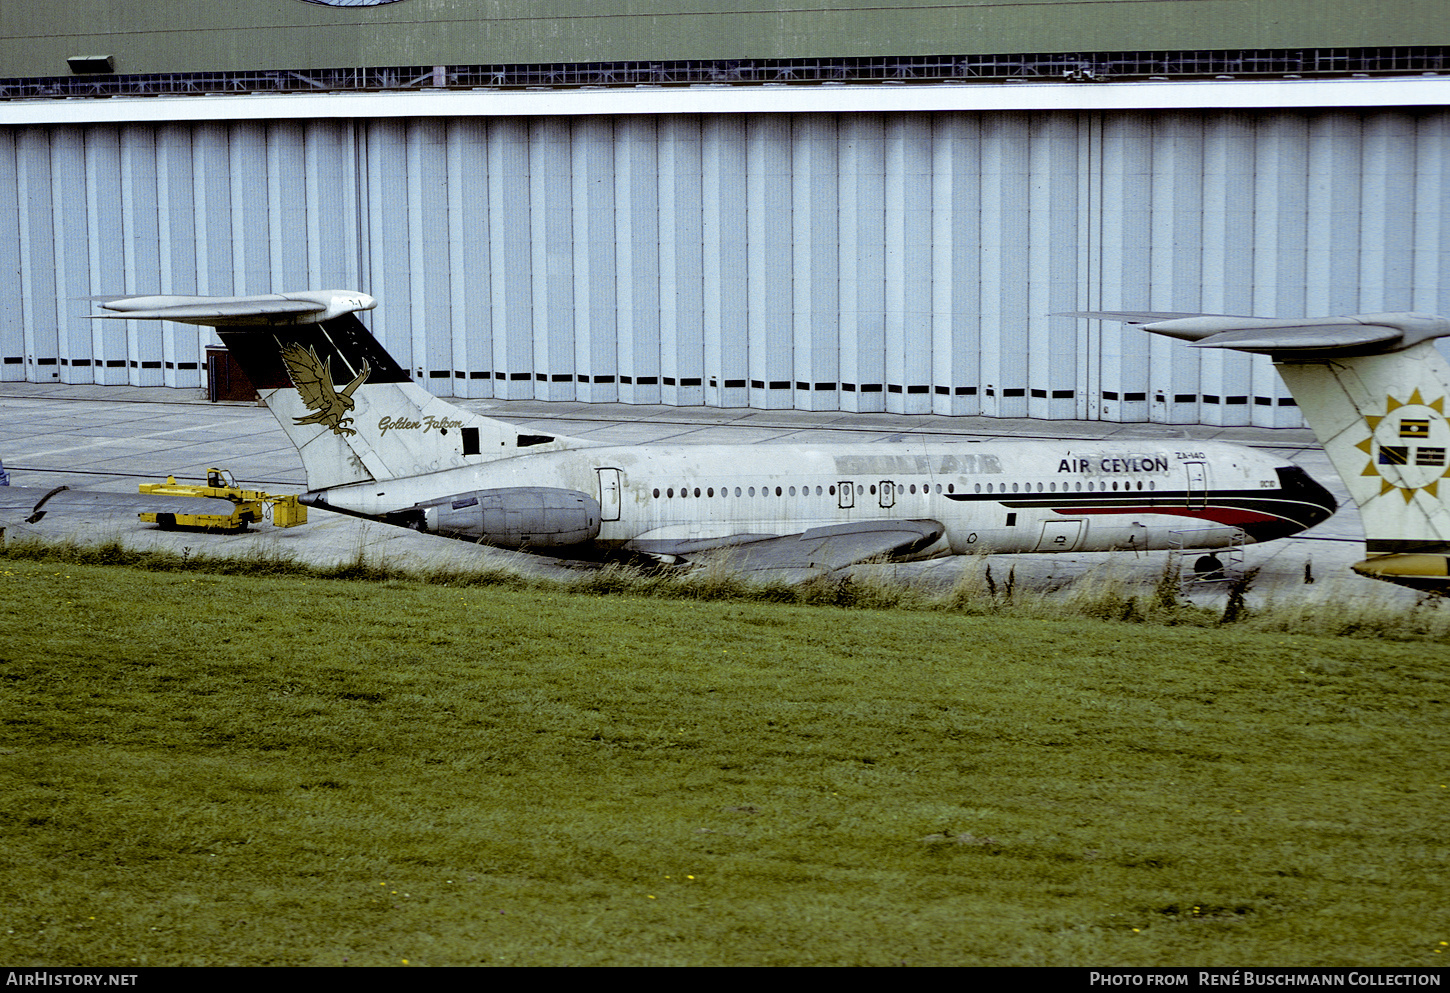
1110	592
1344	607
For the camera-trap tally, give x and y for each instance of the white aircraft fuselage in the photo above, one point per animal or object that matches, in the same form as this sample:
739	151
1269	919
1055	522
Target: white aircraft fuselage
1034	496
374	444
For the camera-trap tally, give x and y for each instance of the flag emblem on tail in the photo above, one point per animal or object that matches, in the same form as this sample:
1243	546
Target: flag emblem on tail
313	379
1408	445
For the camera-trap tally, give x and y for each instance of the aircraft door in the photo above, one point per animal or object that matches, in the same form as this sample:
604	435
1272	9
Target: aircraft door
610	494
1197	485
1059	536
845	494
888	493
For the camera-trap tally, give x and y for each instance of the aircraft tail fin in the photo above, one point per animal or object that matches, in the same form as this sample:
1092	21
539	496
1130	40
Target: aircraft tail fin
1374	389
350	409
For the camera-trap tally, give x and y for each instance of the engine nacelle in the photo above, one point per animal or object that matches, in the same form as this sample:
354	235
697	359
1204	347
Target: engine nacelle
518	517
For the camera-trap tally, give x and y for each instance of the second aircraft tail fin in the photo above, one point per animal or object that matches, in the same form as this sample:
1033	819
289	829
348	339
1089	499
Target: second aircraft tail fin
1374	389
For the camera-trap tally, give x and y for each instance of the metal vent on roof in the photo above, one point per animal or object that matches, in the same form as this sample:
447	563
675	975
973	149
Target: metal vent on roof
90	64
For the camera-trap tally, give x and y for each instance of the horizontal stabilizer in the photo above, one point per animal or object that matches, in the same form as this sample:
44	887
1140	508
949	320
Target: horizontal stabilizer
1286	338
1127	316
1357	338
272	308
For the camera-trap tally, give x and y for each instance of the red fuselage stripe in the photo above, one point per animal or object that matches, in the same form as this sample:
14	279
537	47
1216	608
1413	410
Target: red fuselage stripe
1219	515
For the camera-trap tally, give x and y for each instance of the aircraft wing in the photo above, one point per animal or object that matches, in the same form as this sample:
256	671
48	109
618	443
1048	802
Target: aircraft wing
814	552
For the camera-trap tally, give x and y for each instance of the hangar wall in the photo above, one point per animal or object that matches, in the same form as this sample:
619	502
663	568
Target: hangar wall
864	261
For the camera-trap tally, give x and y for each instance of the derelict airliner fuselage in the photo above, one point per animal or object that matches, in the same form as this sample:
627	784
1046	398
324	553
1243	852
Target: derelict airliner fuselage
376	445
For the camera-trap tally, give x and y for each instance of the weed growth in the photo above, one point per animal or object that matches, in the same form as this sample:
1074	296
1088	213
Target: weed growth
1104	593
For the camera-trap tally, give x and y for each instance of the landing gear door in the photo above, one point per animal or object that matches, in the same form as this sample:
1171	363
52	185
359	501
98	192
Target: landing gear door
610	496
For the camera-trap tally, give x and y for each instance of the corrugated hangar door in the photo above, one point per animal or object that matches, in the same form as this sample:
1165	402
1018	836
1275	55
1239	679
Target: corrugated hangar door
906	262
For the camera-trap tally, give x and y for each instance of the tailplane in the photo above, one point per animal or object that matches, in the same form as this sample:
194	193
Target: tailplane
1374	389
351	410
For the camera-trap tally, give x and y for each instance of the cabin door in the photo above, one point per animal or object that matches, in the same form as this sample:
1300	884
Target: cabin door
609	494
845	494
1197	484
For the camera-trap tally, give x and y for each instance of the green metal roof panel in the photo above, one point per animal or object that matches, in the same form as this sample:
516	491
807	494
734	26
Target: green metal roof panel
196	35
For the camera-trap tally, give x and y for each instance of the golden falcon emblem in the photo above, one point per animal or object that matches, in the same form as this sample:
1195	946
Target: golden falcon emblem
313	379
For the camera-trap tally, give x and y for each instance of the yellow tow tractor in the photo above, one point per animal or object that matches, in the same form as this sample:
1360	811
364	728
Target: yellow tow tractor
248	506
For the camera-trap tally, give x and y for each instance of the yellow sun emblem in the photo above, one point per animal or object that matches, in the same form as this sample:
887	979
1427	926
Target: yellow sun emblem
1407	446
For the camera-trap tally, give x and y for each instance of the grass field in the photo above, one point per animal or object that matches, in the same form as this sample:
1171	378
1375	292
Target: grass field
207	769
